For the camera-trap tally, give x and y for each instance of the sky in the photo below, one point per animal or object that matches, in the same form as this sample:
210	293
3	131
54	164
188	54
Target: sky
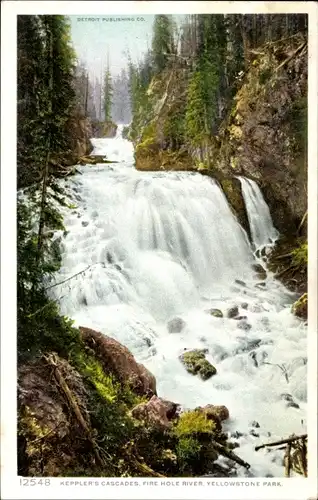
94	36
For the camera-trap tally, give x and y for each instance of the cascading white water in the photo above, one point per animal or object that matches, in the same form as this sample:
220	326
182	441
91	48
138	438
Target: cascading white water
262	230
160	245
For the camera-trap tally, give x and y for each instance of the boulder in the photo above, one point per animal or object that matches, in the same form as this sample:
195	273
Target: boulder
215	413
157	412
220	411
196	364
117	359
176	325
217	313
232	312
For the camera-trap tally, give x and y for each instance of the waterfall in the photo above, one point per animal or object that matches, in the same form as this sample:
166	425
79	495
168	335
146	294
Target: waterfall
262	230
145	247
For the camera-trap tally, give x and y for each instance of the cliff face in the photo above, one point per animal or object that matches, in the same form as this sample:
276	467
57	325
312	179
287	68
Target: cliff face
263	135
80	132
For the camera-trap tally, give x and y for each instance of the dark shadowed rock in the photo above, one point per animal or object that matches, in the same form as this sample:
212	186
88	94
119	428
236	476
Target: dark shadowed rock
240	282
260	272
240	317
232	312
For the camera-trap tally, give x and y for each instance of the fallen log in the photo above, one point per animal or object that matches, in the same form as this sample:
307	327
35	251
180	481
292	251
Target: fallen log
282	441
229	454
73	403
94	160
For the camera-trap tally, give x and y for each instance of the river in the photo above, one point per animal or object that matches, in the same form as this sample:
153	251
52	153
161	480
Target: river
161	245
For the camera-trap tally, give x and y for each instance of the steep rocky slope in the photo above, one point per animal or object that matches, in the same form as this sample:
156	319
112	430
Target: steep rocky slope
262	137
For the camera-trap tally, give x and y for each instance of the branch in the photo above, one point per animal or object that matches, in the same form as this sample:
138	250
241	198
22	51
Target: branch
299	49
229	454
71	277
278	275
290	254
282	441
302	221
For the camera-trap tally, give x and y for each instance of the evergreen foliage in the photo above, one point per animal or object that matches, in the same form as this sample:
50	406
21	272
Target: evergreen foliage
162	42
108	95
46	99
39	107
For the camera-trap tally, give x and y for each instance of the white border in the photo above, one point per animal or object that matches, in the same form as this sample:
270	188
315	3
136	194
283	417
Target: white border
296	488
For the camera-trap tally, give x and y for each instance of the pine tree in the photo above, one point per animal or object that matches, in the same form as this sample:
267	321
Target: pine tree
162	42
31	98
108	94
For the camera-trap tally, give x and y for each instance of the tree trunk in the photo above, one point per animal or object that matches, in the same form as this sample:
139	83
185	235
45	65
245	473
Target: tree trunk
49	34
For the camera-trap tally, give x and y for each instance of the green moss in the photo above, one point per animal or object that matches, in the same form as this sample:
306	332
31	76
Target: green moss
233	162
217	313
300	307
195	363
297	120
201	166
300	255
148	138
193	423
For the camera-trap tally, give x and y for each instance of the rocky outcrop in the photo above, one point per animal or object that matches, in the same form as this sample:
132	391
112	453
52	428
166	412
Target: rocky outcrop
117	359
79	130
265	134
51	439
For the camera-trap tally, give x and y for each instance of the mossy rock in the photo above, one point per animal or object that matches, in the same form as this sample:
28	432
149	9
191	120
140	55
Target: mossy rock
194	423
196	363
217	313
300	307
